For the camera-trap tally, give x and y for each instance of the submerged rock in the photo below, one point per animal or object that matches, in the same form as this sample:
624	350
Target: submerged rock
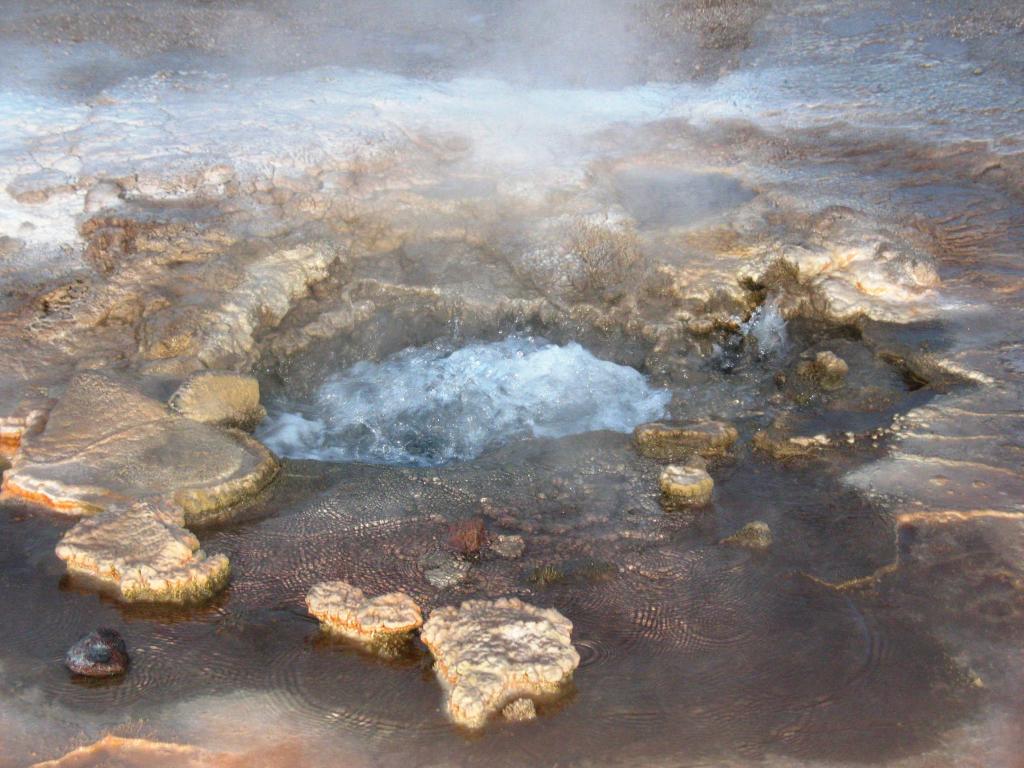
785	447
508	546
491	653
686	485
546	575
105	444
101	653
468	537
343	609
827	370
443	569
220	397
676	440
144	553
755	535
520	710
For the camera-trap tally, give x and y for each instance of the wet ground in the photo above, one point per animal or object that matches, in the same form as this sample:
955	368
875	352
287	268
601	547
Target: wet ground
885	624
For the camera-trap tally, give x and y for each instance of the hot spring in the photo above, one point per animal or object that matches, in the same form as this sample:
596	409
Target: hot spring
466	383
431	405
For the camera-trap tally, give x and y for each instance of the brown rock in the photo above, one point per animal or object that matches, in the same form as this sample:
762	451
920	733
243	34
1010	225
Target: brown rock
468	537
676	440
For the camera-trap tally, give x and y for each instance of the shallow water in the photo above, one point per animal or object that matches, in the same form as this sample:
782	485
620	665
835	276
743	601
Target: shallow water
885	624
683	642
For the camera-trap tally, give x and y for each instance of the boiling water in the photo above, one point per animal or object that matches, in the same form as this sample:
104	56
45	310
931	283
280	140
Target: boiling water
436	404
883	627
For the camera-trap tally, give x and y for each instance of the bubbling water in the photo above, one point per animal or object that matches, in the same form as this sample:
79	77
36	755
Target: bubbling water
431	405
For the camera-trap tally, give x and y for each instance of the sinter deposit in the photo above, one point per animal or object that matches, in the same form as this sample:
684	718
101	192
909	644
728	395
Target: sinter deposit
686	484
489	653
673	441
144	553
345	610
106	443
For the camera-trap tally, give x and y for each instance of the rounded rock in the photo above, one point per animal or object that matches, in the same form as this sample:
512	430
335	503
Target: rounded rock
101	653
687	485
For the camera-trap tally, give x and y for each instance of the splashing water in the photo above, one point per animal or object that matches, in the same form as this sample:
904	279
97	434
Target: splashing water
767	327
431	405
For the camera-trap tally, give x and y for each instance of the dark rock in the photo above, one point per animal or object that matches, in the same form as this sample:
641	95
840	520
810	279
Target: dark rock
101	653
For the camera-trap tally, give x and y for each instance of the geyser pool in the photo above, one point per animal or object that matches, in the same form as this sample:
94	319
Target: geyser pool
435	404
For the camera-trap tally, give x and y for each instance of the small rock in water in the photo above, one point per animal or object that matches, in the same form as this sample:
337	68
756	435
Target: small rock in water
827	369
676	440
468	537
508	546
490	652
755	535
343	609
686	485
520	710
444	569
101	653
785	447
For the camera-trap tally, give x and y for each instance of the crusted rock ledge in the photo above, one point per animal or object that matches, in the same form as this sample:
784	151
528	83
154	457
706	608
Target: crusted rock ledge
145	554
107	444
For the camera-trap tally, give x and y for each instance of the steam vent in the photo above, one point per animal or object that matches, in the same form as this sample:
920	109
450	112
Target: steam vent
572	383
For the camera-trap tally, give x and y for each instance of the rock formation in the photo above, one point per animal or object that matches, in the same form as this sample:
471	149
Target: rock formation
343	609
676	440
490	653
220	397
107	444
143	553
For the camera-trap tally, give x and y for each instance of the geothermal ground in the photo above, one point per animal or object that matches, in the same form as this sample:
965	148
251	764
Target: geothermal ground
373	296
